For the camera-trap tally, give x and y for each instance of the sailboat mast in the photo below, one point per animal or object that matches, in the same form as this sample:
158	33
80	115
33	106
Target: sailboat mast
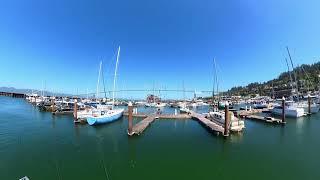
104	86
114	78
289	75
214	82
98	80
216	77
87	94
184	92
294	74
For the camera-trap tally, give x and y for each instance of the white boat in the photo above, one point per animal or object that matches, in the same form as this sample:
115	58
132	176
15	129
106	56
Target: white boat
160	105
260	105
150	104
290	110
219	117
193	105
102	117
314	108
183	107
184	110
200	102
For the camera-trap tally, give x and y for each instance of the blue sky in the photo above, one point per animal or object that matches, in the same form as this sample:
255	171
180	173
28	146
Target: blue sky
163	43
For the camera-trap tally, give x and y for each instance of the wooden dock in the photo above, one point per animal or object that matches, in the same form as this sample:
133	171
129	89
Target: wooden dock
264	119
14	95
142	125
244	113
207	123
62	113
138	128
140	115
161	116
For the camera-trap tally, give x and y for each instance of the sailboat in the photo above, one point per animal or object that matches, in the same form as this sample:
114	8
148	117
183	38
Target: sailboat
105	116
183	105
292	109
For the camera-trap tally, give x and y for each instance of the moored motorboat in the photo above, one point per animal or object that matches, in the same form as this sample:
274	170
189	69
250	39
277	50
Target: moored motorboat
236	124
290	110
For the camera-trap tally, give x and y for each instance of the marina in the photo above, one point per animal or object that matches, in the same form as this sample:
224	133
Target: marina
70	145
159	90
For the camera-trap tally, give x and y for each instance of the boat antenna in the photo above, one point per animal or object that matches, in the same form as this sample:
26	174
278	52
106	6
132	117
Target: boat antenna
114	78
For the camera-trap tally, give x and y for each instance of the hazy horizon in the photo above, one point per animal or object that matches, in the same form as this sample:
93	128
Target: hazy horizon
163	43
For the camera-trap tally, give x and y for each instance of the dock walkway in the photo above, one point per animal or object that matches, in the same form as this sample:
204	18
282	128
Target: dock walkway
161	116
263	119
206	122
142	125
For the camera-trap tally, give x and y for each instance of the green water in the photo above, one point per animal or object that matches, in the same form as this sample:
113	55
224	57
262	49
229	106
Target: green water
42	146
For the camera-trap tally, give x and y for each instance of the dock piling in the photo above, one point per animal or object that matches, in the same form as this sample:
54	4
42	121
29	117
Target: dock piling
309	104
283	110
130	117
75	110
226	121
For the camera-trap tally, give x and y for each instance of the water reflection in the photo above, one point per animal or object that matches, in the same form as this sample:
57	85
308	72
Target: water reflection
236	137
132	152
299	125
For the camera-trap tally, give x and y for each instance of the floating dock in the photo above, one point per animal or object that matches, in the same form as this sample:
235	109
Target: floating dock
264	119
207	123
142	125
244	113
161	116
213	126
14	95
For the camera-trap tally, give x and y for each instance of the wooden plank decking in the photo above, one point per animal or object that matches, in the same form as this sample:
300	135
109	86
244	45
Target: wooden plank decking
161	116
142	125
206	122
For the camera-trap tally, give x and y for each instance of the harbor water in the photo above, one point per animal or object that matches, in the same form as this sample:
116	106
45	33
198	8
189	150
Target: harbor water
42	146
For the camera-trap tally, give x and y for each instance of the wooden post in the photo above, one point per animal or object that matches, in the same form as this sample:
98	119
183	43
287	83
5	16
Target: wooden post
226	120
52	104
75	109
283	110
309	104
130	109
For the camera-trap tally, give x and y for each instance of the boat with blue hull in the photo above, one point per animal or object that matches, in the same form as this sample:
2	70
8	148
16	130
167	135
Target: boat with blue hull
105	117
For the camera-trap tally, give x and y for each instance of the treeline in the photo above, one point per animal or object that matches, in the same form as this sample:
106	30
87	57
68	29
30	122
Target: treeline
307	77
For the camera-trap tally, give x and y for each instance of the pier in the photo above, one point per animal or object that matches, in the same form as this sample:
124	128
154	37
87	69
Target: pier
142	125
160	116
244	113
14	95
207	123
